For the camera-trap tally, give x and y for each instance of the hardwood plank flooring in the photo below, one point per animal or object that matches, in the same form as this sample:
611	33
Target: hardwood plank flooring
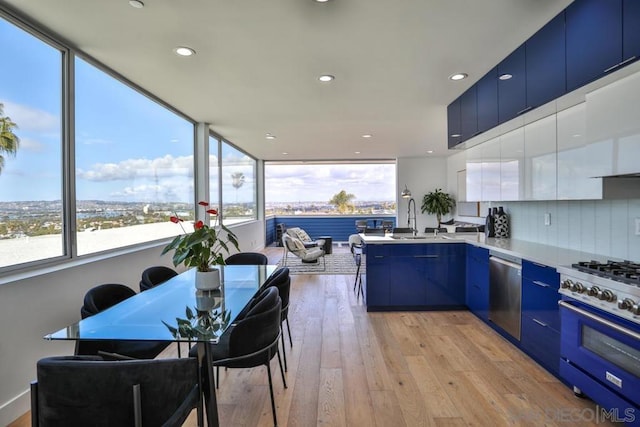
348	367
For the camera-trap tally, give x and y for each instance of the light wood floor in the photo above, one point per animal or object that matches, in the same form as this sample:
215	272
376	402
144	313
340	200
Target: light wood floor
348	367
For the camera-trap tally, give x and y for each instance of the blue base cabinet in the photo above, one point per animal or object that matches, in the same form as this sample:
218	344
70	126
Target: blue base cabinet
415	276
540	334
477	281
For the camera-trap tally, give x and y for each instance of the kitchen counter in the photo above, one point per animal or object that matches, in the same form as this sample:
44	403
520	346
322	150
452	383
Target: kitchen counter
551	256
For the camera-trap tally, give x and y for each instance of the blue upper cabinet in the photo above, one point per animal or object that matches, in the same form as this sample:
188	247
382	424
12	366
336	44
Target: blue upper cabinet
469	113
453	123
487	93
630	30
512	85
546	67
594	40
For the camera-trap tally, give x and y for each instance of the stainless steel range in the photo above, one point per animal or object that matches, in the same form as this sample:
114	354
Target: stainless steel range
600	335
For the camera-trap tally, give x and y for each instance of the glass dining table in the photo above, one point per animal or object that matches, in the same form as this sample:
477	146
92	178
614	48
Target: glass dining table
152	316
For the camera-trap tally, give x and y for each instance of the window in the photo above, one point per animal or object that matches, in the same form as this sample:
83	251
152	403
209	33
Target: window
238	185
214	172
31	211
315	189
134	164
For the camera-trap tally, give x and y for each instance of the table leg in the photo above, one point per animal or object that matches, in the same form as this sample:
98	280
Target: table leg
209	390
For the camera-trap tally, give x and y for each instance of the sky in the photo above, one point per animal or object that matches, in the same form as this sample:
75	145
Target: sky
129	148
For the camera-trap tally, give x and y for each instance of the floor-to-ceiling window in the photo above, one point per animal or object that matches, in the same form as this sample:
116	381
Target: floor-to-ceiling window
214	172
330	188
31	160
134	164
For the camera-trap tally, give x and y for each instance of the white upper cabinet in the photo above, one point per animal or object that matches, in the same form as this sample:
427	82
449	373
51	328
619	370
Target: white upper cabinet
613	125
540	160
580	163
474	173
491	170
512	165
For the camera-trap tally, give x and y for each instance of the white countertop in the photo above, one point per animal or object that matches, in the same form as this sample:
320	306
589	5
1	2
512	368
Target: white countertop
551	256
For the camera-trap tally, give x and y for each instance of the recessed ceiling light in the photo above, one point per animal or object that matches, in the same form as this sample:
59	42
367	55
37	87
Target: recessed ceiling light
184	51
136	3
326	78
285	153
429	151
321	1
367	135
458	76
455	135
269	136
505	76
356	152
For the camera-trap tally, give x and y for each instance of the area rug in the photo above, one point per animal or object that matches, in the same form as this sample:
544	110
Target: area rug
339	263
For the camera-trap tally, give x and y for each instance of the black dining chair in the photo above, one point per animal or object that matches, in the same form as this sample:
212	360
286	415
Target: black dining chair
156	275
281	279
253	340
374	231
466	229
89	391
432	229
247	258
100	298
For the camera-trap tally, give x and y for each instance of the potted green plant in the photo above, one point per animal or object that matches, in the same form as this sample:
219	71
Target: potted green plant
205	247
438	203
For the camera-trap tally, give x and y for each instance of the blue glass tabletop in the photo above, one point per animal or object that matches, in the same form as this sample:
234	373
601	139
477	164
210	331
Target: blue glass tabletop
174	310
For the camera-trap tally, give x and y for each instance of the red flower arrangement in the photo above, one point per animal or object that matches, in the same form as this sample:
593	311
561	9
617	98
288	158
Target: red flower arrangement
204	247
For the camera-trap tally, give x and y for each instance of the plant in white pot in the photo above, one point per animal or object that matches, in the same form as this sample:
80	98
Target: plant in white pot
205	247
438	203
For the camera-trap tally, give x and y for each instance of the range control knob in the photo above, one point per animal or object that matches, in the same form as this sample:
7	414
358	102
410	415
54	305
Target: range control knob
566	284
593	291
626	304
635	309
577	287
606	295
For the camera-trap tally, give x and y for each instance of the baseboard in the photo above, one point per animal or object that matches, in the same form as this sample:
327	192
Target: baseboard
15	408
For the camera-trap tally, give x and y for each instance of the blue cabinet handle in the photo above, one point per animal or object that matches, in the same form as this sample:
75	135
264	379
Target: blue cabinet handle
425	256
620	64
378	256
541	284
544	325
524	110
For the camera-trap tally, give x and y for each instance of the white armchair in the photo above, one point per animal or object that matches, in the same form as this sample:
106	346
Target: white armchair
299	233
296	247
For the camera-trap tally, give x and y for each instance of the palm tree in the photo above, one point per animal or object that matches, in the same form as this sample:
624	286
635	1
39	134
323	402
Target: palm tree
342	201
237	179
9	141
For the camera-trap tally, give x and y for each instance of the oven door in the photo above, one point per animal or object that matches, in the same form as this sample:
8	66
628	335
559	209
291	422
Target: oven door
603	346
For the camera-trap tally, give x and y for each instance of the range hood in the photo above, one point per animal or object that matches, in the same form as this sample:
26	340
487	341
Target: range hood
621	186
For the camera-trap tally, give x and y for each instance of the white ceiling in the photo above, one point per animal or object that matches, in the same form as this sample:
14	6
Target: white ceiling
257	63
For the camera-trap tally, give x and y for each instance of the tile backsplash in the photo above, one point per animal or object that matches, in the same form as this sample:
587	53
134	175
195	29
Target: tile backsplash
604	227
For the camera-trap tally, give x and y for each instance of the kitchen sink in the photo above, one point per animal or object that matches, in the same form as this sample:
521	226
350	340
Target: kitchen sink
410	237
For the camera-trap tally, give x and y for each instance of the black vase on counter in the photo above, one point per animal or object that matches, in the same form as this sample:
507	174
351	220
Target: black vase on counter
489	225
501	223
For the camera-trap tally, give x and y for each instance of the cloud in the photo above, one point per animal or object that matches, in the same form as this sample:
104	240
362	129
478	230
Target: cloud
129	169
31	119
32	145
96	141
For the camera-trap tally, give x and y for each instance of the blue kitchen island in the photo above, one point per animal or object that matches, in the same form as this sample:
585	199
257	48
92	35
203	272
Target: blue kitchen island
414	273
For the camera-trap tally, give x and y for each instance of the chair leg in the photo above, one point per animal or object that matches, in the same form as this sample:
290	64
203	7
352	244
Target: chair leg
284	355
289	331
178	344
217	377
273	402
284	380
34	404
357	275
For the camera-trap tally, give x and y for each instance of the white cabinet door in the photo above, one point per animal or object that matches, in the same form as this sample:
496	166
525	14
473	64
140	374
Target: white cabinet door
613	124
512	165
580	162
540	160
491	170
474	174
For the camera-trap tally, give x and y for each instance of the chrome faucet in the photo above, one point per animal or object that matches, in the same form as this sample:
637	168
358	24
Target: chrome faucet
409	217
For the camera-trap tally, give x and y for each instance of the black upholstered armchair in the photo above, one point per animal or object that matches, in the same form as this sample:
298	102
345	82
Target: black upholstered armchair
88	391
100	298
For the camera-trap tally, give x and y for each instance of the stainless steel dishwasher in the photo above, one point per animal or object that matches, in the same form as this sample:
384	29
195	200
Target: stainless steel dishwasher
505	292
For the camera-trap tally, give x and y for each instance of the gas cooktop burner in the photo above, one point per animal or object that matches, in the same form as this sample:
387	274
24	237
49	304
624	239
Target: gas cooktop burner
622	271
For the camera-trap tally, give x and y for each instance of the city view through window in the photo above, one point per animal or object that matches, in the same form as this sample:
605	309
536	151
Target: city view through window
330	189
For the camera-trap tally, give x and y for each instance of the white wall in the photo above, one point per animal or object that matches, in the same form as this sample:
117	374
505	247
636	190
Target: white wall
421	175
45	301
